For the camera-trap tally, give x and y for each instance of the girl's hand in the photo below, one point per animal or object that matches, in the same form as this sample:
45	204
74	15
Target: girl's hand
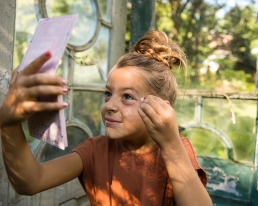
159	119
21	99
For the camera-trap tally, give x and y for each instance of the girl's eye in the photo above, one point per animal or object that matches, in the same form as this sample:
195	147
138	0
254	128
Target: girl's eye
107	94
128	97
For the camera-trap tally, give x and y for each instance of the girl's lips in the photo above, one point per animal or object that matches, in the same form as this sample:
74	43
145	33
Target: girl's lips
109	121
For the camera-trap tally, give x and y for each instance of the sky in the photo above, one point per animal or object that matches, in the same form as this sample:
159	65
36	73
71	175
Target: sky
232	3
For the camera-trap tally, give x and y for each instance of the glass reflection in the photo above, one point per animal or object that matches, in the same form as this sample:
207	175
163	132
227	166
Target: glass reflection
91	66
87	20
87	108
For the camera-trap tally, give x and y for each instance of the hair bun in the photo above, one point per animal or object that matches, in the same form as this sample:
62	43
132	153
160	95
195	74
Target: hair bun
155	44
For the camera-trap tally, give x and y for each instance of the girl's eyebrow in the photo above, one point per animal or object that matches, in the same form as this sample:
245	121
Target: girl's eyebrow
125	88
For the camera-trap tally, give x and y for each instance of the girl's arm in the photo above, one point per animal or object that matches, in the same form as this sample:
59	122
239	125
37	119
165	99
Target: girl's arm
160	122
26	175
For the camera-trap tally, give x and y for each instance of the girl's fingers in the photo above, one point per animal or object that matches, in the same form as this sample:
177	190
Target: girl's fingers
148	114
34	66
158	111
146	119
33	107
45	90
156	103
41	79
14	73
152	108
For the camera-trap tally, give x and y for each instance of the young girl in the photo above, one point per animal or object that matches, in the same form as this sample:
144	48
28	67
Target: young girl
142	160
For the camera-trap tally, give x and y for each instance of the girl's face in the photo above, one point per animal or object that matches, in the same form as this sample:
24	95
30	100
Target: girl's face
125	87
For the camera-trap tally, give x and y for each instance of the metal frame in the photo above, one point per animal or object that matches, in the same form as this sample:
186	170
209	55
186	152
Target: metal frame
43	13
200	95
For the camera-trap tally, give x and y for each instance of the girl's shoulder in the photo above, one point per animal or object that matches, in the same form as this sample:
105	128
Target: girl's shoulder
93	141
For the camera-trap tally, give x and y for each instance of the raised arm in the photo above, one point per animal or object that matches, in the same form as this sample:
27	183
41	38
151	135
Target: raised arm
26	175
160	121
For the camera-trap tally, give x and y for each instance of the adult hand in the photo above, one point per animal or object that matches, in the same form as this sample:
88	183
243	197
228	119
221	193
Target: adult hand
159	119
21	99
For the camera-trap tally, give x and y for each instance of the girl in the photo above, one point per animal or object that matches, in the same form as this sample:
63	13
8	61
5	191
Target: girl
142	160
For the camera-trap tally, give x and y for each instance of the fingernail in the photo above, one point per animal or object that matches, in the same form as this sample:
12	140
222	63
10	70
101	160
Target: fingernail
65	89
47	53
64	104
141	99
64	81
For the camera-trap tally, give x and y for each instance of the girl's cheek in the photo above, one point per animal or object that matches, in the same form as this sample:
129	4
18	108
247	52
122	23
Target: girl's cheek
131	111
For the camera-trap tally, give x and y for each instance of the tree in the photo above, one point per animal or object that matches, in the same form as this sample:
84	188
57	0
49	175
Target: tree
206	35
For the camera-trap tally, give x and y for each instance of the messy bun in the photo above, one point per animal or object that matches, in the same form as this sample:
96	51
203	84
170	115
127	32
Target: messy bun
156	56
155	44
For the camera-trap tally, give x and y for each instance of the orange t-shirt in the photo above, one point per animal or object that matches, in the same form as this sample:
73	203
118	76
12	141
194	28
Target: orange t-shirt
115	176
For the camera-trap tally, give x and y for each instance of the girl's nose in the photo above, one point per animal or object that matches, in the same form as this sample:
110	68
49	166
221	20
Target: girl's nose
112	104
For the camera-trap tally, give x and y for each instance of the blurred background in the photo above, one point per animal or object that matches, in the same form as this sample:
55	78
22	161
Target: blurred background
217	102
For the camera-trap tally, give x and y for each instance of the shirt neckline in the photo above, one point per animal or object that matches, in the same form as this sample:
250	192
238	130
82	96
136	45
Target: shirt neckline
155	146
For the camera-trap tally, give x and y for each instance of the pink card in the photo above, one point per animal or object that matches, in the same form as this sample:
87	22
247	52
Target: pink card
51	34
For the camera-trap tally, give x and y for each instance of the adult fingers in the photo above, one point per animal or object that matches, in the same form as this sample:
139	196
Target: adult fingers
35	65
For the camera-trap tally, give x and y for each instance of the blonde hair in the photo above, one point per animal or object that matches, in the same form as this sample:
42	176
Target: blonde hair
156	56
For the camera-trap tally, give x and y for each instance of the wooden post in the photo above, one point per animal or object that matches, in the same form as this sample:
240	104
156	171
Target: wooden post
142	18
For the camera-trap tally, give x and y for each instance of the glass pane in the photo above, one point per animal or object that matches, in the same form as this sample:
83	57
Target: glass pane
91	66
87	109
185	108
62	69
75	136
216	131
25	25
87	20
205	143
105	9
216	112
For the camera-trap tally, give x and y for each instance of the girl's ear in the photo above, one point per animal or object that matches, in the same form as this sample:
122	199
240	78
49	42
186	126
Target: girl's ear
167	102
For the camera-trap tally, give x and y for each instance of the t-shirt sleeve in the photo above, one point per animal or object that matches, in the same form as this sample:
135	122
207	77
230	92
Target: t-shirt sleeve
201	173
85	150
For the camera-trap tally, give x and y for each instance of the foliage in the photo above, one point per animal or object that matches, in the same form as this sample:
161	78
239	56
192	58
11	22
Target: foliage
207	29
